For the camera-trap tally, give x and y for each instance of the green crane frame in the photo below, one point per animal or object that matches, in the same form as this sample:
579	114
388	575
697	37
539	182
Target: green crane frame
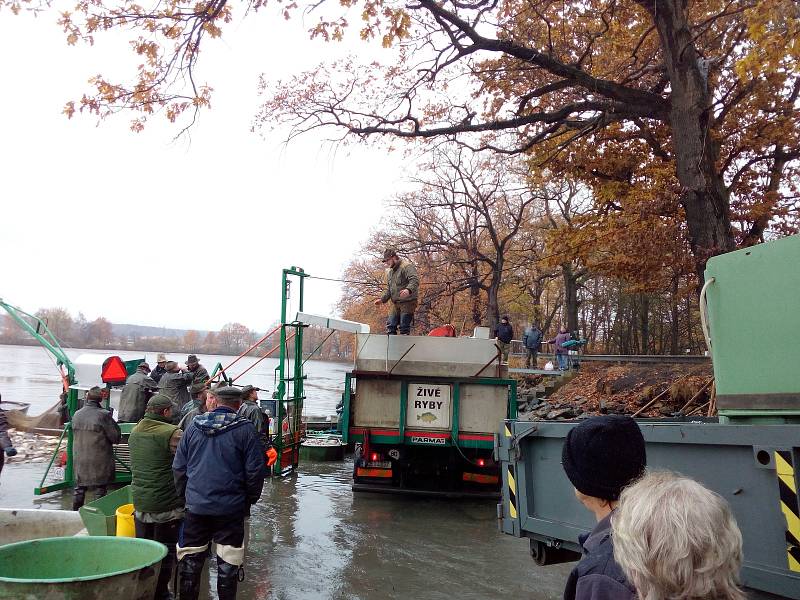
46	338
289	392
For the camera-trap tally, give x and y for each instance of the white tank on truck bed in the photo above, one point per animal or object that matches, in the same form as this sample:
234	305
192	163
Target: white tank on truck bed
426	356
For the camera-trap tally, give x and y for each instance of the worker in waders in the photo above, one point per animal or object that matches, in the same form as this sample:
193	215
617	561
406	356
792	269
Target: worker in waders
402	288
161	367
219	469
174	384
94	434
6	445
159	508
135	393
252	411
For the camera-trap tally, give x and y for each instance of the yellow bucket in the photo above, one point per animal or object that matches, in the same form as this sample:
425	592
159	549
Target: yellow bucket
125	526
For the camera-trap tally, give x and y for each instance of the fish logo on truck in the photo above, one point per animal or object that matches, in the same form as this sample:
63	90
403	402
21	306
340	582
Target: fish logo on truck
429	405
427	417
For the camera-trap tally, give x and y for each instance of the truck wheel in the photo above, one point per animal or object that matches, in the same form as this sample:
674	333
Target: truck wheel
539	552
543	555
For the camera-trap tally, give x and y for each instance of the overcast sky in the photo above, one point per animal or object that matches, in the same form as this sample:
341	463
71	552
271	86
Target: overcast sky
189	234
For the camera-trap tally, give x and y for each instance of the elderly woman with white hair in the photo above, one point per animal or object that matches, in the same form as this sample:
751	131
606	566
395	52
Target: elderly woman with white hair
677	540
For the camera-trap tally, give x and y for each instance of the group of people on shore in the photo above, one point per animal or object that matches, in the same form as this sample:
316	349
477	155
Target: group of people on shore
198	458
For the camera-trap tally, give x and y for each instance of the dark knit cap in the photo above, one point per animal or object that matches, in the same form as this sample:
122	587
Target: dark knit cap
604	454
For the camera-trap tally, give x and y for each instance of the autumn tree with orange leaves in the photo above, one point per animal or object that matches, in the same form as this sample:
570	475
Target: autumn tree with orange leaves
695	100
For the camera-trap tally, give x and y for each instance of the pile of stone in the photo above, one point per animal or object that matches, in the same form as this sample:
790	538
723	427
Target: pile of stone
32	447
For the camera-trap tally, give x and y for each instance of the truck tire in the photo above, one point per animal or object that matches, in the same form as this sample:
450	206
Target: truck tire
544	555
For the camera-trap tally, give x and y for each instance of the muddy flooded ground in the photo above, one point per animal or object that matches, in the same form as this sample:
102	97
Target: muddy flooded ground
311	537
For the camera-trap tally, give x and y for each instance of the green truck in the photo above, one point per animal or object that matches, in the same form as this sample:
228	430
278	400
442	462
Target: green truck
422	413
749	454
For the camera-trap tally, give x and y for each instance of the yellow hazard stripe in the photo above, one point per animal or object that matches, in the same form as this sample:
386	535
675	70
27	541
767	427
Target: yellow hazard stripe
785	471
790	506
512	493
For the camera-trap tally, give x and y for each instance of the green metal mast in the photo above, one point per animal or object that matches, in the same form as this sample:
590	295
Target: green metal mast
46	338
289	393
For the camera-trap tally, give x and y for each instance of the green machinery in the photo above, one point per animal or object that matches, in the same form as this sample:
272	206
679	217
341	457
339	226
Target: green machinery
38	329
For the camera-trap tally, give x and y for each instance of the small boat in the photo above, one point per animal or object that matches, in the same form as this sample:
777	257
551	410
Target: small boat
322	448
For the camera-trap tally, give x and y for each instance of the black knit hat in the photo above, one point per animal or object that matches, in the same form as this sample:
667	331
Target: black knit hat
604	454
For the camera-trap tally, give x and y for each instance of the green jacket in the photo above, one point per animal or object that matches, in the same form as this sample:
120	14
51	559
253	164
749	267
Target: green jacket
402	277
153	486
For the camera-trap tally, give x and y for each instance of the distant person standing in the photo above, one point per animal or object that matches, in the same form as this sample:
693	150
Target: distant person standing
504	333
161	367
532	340
562	354
219	469
159	508
402	288
135	393
174	384
94	434
198	371
6	445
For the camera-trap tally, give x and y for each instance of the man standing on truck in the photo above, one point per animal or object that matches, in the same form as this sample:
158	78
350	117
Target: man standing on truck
402	288
504	333
95	433
219	469
159	509
601	456
532	340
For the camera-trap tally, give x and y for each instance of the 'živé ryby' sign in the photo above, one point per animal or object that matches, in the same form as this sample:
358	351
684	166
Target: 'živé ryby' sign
428	406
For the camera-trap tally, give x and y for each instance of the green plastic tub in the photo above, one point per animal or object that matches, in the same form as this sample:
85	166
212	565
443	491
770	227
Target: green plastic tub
80	568
100	516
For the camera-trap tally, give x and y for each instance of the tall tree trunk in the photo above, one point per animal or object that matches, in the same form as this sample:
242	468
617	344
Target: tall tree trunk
492	301
673	346
644	319
475	297
704	196
570	296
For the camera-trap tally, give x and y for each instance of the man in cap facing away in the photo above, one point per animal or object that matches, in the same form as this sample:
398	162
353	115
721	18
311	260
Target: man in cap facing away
161	367
173	383
219	469
94	434
402	288
159	508
133	399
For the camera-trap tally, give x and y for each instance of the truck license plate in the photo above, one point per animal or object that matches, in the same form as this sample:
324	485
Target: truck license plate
380	465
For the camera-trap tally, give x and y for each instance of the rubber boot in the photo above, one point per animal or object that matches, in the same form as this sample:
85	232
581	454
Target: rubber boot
190	569
227	580
162	589
78	498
